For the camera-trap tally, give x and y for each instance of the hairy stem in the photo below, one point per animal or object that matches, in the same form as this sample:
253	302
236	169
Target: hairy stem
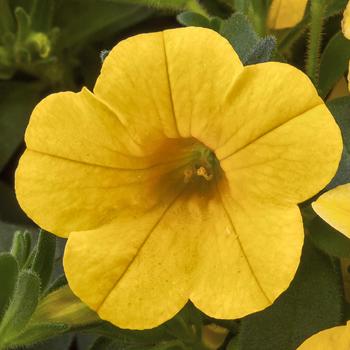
318	8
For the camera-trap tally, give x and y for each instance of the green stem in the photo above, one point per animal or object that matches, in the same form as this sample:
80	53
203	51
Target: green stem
318	8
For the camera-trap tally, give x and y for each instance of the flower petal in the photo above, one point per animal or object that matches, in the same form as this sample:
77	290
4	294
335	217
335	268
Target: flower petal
263	97
202	66
162	83
81	196
77	126
286	13
249	259
290	163
334	208
137	276
336	338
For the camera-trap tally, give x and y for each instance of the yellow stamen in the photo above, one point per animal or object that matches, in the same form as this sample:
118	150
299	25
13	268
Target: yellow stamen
203	172
188	173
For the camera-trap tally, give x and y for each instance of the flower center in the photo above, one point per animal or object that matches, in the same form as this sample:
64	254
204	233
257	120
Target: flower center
204	165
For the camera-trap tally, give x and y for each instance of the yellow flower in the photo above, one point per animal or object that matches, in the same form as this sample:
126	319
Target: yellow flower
334	208
337	338
346	22
178	178
286	13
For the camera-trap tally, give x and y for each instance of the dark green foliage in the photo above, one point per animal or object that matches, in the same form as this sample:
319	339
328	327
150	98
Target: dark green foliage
340	109
44	257
8	278
313	302
334	62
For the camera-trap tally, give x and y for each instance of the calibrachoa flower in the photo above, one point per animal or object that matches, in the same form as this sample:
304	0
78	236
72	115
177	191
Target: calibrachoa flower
178	178
346	30
286	13
334	207
346	21
337	338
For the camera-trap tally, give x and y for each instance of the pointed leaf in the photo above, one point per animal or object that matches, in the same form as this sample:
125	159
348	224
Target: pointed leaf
8	278
35	333
21	247
240	33
23	304
44	257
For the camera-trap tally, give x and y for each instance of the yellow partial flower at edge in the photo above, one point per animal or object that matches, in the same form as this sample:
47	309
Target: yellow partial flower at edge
346	31
178	178
336	338
286	13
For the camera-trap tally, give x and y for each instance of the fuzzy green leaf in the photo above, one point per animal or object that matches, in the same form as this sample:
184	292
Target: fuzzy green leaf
23	304
263	51
44	257
239	32
334	62
21	247
313	302
39	332
8	278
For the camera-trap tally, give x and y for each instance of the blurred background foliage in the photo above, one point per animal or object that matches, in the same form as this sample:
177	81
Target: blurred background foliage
55	45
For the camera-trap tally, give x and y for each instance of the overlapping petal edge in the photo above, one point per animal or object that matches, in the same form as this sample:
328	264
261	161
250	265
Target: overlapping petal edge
108	170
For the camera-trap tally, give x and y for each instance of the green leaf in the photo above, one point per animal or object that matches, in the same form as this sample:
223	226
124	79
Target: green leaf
44	257
103	17
340	108
85	341
16	103
23	24
42	13
263	51
193	19
21	247
328	239
35	333
8	273
102	343
334	62
63	342
145	337
313	302
239	32
7	22
23	304
335	7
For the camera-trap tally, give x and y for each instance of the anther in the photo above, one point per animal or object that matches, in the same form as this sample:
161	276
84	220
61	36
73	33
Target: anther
188	173
203	172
